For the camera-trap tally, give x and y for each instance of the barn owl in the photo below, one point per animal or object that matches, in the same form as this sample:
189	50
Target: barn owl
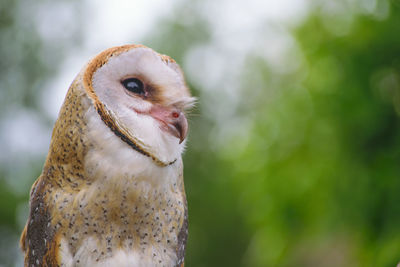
111	192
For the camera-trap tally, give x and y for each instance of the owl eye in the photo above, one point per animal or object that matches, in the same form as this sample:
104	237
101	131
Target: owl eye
133	85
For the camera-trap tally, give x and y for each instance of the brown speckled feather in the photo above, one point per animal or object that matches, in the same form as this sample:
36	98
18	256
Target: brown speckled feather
63	171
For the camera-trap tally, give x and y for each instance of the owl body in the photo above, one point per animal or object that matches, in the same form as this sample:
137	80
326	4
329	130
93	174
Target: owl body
111	192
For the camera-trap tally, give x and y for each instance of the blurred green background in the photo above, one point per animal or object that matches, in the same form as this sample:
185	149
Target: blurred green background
294	150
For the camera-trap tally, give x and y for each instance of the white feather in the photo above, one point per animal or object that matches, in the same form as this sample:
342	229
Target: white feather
121	258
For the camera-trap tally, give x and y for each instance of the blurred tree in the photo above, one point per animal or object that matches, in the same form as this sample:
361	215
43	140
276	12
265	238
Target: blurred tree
360	100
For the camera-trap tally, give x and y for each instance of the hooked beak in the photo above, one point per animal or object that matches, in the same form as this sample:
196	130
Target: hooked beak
173	121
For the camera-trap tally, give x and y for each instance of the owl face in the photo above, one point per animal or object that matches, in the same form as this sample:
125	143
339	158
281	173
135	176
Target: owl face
142	96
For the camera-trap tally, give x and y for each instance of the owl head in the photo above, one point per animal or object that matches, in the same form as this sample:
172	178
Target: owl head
141	96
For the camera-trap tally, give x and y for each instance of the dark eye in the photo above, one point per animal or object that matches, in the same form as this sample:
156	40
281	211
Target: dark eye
133	85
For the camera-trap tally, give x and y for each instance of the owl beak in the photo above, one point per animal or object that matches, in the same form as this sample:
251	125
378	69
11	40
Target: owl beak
178	126
173	121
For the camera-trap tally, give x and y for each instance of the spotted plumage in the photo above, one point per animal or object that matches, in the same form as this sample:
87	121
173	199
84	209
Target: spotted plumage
111	192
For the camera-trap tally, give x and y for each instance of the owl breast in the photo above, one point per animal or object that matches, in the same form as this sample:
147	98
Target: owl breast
131	223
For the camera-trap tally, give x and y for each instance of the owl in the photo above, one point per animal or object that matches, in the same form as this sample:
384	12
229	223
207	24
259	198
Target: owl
111	192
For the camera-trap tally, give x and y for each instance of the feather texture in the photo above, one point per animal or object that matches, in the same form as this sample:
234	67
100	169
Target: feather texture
111	192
